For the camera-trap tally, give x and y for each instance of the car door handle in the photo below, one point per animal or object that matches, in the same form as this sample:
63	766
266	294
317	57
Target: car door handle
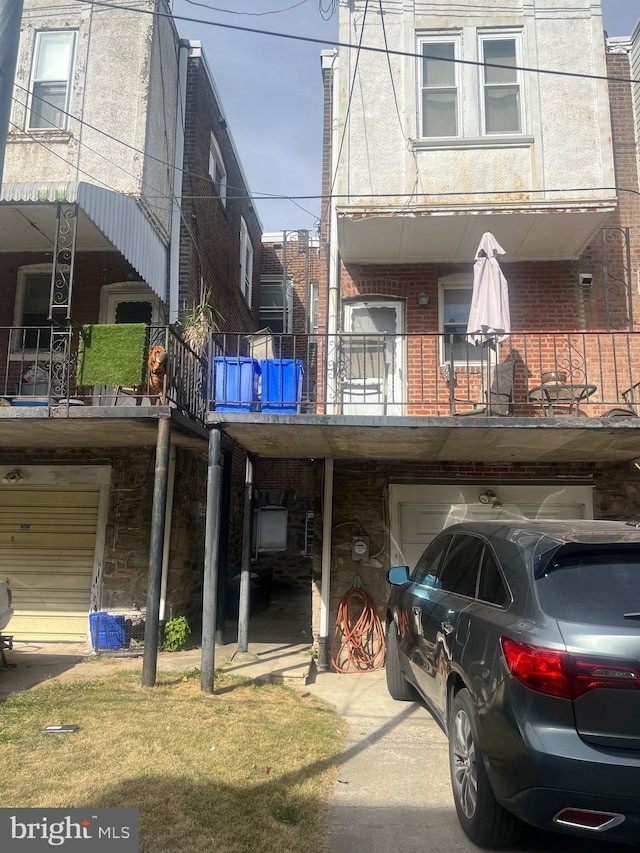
447	628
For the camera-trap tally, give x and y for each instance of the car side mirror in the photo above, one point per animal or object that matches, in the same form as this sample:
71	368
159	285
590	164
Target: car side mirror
398	575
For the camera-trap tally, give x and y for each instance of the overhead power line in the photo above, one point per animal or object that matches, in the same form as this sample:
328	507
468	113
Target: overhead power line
409	54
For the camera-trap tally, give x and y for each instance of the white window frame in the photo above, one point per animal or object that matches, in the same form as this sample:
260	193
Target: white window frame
492	36
424	41
246	262
24	273
34	80
217	171
286	311
313	311
458	281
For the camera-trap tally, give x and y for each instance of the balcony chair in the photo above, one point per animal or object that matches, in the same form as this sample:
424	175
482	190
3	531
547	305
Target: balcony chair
498	400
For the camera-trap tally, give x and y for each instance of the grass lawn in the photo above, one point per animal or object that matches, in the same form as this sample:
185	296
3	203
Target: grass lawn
250	768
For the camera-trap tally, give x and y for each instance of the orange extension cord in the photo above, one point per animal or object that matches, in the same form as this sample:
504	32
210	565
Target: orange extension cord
357	647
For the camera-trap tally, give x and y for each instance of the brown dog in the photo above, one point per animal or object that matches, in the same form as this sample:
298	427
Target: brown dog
155	388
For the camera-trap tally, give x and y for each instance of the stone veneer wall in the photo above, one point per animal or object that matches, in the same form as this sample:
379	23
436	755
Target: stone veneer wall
126	554
360	504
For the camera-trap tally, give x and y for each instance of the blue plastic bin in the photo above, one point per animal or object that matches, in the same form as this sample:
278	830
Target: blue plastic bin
281	384
236	384
107	631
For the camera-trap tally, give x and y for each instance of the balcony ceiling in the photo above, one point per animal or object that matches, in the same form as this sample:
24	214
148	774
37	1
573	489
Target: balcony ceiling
438	237
475	439
107	221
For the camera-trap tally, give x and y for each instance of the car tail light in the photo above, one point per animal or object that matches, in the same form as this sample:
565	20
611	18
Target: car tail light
543	670
562	674
586	819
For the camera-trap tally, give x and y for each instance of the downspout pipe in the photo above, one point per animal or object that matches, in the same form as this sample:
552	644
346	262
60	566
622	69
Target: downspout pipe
176	193
10	20
167	533
325	583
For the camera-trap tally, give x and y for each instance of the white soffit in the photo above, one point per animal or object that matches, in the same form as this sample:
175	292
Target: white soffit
110	221
437	238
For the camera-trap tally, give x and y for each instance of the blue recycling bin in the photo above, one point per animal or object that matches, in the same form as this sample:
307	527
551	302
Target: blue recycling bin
108	631
281	384
236	384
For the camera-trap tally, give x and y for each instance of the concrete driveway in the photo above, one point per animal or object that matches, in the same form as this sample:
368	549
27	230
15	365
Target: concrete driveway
393	793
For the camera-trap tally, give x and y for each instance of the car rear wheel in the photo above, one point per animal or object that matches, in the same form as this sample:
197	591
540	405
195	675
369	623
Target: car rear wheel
484	821
397	685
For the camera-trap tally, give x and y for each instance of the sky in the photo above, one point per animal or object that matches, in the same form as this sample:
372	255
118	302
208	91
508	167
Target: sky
271	91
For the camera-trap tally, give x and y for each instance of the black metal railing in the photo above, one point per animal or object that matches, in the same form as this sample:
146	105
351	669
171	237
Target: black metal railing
528	374
39	366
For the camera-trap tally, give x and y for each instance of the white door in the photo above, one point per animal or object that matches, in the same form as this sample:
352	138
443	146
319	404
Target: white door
372	380
418	513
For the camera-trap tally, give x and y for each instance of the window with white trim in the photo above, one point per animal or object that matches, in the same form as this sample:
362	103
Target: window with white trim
276	305
439	82
454	308
313	306
469	88
217	171
32	326
51	76
501	86
246	261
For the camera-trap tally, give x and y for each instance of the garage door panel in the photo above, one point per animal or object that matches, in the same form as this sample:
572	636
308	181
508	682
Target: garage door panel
47	549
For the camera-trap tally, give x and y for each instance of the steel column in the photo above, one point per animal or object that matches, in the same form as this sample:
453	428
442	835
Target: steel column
245	572
211	556
152	621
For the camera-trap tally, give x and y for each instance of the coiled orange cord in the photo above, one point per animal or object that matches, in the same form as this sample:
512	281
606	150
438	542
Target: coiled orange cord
357	647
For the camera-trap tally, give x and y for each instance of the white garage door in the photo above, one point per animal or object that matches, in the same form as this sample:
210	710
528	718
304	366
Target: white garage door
47	547
418	513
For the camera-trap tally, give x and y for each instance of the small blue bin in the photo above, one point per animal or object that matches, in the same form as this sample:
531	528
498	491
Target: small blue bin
107	631
236	384
281	384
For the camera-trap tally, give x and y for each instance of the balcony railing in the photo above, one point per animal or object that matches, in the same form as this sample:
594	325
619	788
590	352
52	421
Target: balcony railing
531	374
39	366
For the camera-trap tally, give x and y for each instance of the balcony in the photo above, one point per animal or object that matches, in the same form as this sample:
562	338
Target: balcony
431	396
40	389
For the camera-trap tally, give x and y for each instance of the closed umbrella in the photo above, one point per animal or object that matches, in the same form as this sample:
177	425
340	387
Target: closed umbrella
489	319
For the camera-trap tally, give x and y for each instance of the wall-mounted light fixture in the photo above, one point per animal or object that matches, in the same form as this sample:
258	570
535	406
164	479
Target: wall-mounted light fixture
489	497
12	477
585	279
423	298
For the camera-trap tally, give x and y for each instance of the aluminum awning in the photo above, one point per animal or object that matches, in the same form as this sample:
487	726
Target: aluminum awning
107	220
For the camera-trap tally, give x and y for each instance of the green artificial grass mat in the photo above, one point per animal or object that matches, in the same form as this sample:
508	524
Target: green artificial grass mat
112	354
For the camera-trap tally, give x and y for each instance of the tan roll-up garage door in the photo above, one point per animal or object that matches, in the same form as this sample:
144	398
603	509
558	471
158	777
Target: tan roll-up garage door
47	545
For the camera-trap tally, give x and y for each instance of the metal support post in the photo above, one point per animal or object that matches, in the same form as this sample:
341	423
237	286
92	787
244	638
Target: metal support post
152	621
211	556
245	573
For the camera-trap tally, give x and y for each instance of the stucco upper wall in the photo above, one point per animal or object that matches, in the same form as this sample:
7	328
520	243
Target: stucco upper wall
122	103
565	138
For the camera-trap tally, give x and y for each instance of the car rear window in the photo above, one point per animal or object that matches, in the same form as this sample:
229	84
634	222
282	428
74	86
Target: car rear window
595	587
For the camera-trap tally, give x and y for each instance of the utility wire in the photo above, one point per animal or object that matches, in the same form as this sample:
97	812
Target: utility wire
410	54
248	14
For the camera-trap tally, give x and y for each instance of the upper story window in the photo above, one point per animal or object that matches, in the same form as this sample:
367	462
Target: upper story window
276	305
51	80
455	305
246	261
469	87
502	112
217	171
32	326
439	103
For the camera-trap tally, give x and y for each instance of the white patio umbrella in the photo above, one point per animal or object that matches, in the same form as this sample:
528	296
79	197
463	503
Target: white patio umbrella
489	318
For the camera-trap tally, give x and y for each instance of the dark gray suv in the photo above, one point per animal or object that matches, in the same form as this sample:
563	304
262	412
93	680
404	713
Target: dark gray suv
523	639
